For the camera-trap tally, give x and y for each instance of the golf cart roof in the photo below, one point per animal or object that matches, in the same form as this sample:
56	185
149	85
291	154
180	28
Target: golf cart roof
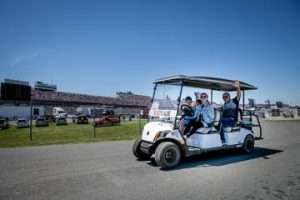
204	82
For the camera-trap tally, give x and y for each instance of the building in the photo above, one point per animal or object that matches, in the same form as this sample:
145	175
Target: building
163	109
39	85
45	98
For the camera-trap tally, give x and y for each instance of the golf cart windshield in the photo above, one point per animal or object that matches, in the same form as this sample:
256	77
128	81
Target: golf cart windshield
165	103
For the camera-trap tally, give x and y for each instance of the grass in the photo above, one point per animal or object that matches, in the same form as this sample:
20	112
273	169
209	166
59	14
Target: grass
71	133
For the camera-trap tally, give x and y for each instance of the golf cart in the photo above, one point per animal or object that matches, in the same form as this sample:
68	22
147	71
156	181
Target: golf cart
164	139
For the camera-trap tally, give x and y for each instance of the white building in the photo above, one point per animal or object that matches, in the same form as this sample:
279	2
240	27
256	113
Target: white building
163	109
20	111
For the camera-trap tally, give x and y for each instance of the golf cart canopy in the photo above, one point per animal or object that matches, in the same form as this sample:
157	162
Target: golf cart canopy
203	82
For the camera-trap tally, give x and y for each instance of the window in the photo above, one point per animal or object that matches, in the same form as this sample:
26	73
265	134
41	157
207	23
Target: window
36	111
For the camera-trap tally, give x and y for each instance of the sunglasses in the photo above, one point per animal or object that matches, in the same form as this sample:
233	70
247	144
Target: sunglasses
203	96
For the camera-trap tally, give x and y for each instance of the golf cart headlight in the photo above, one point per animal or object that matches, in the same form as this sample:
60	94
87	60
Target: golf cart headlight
164	133
157	135
160	134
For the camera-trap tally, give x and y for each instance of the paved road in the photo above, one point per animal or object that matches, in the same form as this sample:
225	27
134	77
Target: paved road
109	171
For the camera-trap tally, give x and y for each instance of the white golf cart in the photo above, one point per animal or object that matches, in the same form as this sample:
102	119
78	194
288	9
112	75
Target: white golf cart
165	140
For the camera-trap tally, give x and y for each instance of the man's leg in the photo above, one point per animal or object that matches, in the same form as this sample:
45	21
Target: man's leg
225	122
222	131
187	128
195	126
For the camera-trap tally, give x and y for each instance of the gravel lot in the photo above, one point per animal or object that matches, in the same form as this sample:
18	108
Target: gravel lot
109	171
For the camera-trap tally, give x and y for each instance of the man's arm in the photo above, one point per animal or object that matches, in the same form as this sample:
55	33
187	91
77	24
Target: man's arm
238	90
195	115
208	116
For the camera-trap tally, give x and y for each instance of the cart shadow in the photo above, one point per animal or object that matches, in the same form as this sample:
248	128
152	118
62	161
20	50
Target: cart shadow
220	158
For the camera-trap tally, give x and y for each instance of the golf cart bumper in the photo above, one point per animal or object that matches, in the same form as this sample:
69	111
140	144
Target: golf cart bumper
146	147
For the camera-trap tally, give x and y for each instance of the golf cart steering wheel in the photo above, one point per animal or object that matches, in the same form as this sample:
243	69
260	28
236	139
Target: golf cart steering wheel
186	110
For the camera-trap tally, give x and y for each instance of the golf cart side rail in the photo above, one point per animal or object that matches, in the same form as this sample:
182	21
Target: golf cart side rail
250	117
204	82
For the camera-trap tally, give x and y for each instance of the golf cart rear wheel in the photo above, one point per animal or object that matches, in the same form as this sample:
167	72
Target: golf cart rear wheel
167	155
248	145
137	151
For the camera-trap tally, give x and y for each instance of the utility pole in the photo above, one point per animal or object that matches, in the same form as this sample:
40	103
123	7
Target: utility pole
94	121
30	127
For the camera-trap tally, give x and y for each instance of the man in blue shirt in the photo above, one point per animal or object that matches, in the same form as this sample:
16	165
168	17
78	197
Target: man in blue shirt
230	109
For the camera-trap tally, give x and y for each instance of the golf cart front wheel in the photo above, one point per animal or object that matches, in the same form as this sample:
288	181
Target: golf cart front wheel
167	155
248	146
137	151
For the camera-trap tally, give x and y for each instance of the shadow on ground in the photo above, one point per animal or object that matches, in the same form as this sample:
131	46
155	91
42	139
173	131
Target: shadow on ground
220	158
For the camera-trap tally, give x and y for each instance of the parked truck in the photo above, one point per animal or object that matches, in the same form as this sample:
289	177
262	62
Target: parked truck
58	112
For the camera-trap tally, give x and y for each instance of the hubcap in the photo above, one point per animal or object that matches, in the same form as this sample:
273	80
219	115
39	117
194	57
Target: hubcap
170	156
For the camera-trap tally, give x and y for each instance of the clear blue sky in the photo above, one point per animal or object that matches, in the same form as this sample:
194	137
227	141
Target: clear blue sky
100	47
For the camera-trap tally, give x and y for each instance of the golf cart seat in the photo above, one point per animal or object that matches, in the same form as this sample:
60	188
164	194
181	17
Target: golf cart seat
217	115
232	129
203	130
215	126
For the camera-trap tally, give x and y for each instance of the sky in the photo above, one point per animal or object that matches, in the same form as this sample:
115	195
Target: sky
101	47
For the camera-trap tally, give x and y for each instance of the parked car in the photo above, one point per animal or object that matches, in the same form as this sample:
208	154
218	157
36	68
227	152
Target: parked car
41	121
4	124
50	118
60	120
81	119
107	118
22	123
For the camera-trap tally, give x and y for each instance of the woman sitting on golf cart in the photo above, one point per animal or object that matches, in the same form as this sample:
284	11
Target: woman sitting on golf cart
203	116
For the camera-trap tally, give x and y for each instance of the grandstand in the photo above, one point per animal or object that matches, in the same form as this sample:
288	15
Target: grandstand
129	105
47	99
53	97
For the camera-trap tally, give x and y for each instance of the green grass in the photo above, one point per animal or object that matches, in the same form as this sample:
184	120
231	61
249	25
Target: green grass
71	133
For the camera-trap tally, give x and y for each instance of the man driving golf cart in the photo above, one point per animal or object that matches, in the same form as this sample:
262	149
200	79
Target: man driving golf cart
190	117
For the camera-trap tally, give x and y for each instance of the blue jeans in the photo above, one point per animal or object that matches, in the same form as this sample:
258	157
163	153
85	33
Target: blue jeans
226	122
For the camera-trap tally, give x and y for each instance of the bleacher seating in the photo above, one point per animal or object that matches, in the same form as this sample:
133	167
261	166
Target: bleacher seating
65	97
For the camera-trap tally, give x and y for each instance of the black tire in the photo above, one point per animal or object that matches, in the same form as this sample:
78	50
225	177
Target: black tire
248	145
137	151
167	155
